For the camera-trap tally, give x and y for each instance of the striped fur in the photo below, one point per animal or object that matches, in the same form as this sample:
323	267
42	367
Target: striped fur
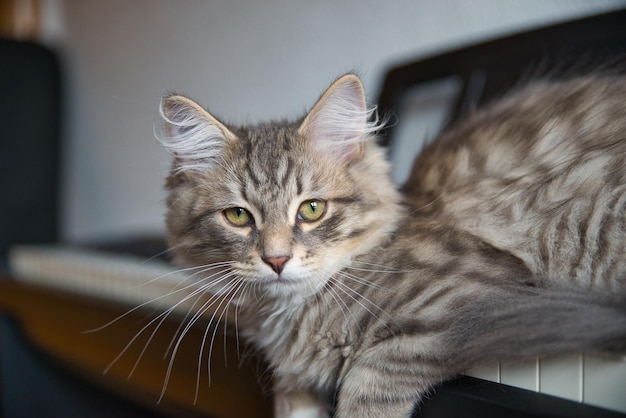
541	175
509	243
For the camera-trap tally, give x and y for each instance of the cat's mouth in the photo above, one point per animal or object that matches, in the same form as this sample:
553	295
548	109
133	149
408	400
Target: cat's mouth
285	279
289	284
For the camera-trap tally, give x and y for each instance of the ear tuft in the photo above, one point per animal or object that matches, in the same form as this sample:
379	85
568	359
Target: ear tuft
192	135
339	123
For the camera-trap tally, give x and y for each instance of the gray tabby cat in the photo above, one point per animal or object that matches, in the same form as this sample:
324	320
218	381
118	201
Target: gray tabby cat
510	241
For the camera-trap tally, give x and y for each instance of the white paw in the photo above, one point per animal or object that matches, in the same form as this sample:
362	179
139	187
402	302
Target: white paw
309	412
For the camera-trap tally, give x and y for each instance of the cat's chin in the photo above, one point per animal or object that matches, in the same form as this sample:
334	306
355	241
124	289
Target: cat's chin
290	286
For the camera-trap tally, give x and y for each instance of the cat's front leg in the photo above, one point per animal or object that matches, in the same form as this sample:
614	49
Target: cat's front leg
362	402
379	388
298	404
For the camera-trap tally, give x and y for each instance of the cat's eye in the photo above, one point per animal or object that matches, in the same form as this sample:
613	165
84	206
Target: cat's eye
238	216
311	210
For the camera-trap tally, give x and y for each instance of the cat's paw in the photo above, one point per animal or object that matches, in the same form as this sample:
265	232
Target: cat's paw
309	412
299	404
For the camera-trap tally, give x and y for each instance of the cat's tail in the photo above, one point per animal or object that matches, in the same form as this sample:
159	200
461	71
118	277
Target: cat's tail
532	323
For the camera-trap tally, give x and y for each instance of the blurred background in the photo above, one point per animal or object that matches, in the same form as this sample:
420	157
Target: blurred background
245	60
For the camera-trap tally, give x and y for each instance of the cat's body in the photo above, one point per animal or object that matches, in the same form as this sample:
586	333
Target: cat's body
510	243
540	174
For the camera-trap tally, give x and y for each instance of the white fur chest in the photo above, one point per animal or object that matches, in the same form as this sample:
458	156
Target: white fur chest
300	347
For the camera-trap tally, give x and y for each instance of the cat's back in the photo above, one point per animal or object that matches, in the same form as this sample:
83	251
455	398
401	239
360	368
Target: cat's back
540	173
541	127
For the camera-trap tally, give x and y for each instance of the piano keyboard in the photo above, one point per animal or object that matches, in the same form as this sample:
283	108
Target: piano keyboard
585	378
106	275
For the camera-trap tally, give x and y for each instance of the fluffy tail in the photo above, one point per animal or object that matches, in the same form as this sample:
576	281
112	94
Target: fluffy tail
540	322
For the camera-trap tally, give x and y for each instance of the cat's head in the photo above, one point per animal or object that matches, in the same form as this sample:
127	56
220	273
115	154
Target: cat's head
281	206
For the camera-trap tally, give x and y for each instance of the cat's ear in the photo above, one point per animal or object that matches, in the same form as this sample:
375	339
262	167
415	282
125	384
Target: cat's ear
339	123
192	135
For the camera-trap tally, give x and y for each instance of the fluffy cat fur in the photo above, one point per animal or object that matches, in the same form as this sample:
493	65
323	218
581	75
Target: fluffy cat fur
508	241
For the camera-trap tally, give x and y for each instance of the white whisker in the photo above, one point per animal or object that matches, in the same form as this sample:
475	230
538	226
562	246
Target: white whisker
160	318
192	307
236	286
343	307
201	269
432	202
379	268
359	280
348	291
233	285
203	309
144	304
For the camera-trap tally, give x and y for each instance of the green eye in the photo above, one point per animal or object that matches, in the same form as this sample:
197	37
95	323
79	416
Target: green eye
311	210
238	217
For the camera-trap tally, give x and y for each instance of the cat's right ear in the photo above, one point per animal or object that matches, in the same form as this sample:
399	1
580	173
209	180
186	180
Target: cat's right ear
195	138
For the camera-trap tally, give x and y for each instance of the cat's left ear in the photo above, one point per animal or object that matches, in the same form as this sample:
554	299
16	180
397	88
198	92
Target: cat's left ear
339	122
194	136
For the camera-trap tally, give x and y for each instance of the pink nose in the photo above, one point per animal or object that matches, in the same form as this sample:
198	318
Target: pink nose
277	263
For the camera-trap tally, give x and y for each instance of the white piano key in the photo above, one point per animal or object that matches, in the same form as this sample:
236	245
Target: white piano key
581	378
522	375
562	376
605	382
490	371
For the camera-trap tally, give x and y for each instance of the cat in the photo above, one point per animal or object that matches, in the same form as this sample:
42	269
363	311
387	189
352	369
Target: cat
507	242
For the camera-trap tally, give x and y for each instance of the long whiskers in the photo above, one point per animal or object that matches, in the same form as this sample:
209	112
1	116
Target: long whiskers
159	298
169	249
237	285
359	280
358	297
375	268
343	307
202	289
199	313
419	209
186	277
160	318
223	287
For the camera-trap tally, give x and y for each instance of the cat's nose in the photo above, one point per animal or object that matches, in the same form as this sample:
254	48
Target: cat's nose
277	263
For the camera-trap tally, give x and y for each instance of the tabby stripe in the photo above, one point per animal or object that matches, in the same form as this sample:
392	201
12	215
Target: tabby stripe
330	228
287	174
549	238
435	297
605	254
409	294
299	187
564	230
255	180
357	233
599	236
194	221
348	200
585	234
446	269
620	220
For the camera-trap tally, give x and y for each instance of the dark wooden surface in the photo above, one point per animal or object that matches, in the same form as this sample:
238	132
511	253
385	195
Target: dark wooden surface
55	323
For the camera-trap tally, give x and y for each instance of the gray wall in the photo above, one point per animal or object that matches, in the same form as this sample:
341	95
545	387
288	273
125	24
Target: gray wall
245	60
